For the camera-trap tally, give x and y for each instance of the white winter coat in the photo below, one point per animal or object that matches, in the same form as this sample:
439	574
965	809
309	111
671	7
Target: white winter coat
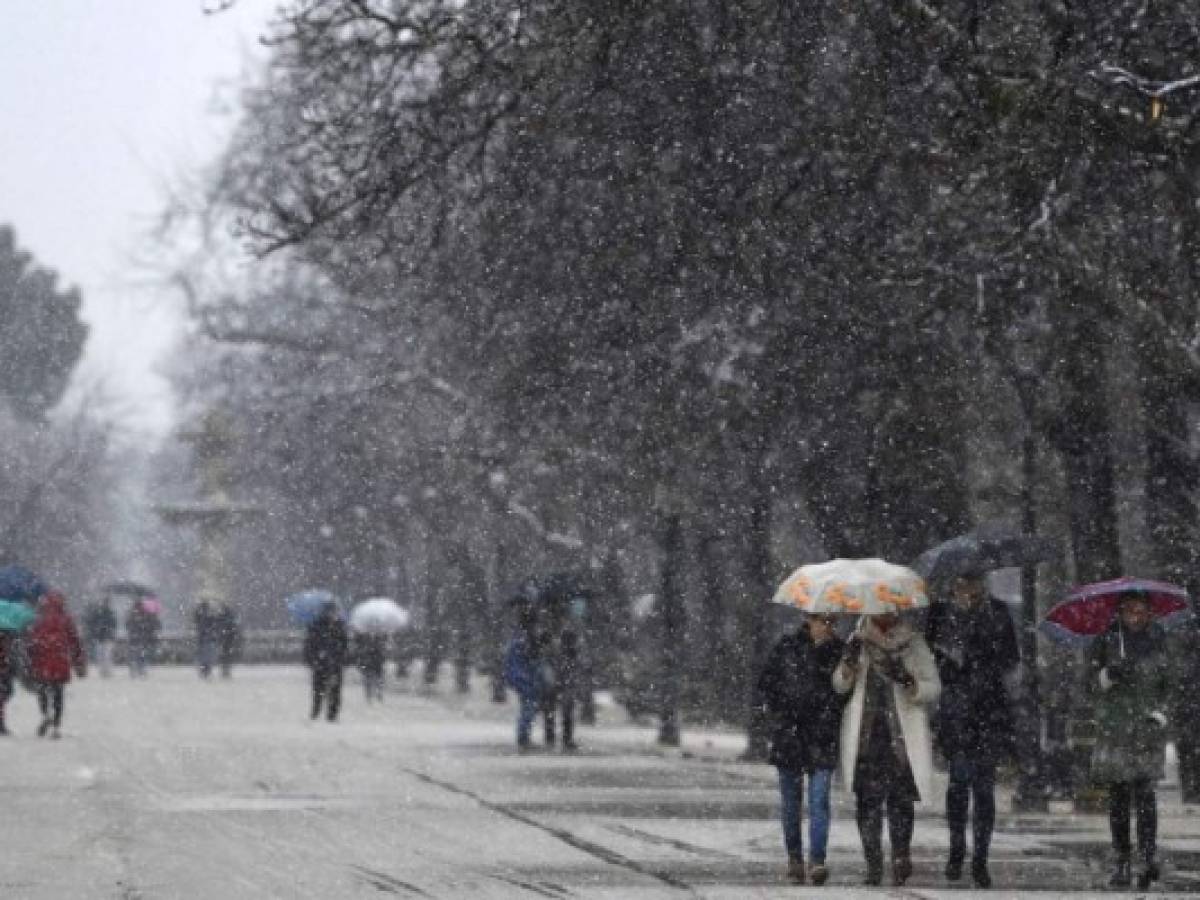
911	704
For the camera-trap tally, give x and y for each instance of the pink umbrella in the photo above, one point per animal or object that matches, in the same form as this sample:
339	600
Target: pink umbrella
1089	609
152	605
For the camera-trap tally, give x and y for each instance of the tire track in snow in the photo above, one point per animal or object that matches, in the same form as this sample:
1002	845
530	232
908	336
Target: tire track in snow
593	849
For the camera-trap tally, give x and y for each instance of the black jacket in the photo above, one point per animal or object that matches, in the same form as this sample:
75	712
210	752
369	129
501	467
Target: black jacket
326	644
974	653
796	688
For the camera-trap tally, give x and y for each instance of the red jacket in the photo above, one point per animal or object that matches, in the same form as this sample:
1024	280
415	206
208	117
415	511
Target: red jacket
54	648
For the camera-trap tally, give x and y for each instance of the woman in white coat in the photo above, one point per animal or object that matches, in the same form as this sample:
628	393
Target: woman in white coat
886	746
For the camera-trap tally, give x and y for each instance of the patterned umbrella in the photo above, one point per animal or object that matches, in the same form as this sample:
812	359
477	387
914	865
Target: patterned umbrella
865	587
1088	610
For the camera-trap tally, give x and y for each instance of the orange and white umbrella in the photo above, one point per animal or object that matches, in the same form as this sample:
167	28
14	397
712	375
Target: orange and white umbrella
861	587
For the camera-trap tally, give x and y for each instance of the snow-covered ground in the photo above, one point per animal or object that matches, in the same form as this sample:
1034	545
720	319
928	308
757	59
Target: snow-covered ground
176	788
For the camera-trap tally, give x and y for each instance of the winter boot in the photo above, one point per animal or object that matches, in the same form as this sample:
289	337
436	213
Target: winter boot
874	876
3	728
1121	876
901	869
980	874
818	872
44	727
1148	874
55	733
954	863
795	870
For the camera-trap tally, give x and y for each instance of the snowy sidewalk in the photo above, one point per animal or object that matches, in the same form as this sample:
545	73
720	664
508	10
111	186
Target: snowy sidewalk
1058	832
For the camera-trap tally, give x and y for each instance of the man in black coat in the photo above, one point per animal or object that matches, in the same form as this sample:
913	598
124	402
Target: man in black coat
975	647
326	646
796	689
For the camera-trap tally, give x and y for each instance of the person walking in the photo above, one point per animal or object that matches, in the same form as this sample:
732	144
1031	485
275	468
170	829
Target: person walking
325	648
1129	668
205	620
974	646
886	747
795	688
141	627
369	653
560	689
229	638
523	671
100	630
54	651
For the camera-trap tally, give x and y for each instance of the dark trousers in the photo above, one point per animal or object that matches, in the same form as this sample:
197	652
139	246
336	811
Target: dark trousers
1139	794
1189	766
327	686
552	702
50	701
869	812
971	780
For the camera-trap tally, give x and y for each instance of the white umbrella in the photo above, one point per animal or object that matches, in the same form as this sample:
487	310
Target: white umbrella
379	615
864	587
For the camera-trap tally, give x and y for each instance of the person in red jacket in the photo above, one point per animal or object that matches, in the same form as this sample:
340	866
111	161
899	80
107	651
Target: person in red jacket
54	650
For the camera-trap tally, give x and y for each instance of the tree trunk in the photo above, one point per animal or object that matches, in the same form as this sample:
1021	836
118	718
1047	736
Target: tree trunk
1083	437
1171	476
671	623
757	577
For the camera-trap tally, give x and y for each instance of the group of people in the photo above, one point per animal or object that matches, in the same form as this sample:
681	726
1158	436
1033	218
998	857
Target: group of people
218	637
142	627
542	665
328	649
52	651
880	701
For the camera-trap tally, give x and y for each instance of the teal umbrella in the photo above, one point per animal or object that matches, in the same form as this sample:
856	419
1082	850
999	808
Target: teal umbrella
15	616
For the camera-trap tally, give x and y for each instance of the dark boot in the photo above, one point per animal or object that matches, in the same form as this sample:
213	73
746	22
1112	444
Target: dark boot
958	852
795	870
901	869
1121	876
980	874
1147	874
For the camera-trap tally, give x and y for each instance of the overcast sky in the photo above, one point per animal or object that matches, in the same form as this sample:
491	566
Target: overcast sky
102	103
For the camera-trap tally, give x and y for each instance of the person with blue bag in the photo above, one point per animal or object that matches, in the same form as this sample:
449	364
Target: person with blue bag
523	672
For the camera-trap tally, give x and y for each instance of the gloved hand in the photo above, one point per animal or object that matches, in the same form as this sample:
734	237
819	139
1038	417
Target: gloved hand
1119	671
894	669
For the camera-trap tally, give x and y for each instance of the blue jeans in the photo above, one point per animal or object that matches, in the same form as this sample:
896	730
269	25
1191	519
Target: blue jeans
791	795
526	712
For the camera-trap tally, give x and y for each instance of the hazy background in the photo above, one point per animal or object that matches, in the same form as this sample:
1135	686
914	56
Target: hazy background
103	104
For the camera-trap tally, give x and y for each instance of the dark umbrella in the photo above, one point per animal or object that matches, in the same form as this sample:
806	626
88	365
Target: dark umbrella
129	589
559	587
982	550
19	584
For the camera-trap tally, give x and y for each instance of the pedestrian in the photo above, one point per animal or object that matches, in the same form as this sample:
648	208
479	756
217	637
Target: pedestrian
8	660
141	627
54	651
886	747
229	638
974	645
560	655
325	648
100	630
204	618
796	690
523	671
1129	667
369	653
1184	653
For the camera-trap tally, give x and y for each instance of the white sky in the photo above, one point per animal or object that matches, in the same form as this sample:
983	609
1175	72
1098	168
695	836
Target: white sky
102	104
